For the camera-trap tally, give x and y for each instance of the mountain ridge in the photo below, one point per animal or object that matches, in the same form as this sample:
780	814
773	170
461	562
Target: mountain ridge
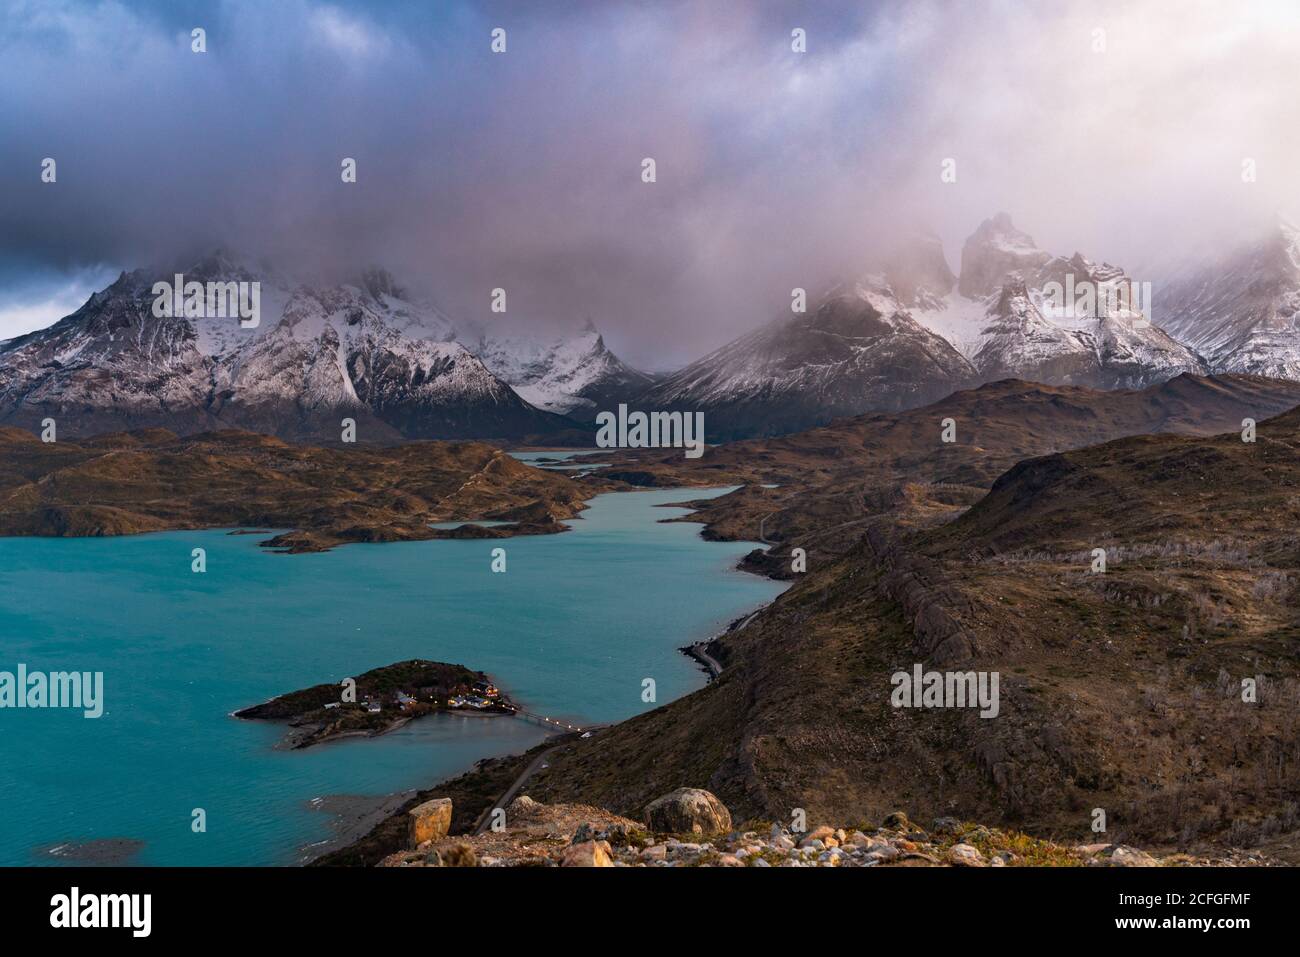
318	354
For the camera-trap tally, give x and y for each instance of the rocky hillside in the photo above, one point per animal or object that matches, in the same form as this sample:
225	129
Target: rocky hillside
692	828
1121	690
830	482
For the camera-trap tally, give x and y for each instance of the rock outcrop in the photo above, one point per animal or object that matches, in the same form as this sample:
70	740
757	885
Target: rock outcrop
430	821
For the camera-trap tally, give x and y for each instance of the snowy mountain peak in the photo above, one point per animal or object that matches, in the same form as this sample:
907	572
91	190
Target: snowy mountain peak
380	284
317	352
1019	342
918	272
1288	236
858	350
995	249
1020	311
1013	300
1241	309
572	375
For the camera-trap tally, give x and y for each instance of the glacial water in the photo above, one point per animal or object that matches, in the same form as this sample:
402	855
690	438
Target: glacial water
571	629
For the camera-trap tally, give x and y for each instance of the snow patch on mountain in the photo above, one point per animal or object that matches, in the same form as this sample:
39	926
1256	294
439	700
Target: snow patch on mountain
571	375
1241	310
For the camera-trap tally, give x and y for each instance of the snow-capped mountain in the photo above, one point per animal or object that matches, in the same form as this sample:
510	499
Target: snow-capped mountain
916	332
858	350
1018	342
361	350
993	251
1020	312
1241	311
574	375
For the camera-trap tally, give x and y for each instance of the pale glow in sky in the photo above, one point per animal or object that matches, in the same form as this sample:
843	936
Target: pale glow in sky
52	302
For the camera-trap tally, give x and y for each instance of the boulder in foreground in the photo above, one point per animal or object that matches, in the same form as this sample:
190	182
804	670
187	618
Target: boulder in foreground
688	810
430	821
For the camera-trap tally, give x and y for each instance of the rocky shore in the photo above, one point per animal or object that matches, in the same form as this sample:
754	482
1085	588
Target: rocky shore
690	827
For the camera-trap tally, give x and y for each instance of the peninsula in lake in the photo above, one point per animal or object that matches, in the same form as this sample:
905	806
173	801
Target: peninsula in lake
380	700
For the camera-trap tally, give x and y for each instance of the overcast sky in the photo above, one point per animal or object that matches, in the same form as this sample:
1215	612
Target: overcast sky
523	170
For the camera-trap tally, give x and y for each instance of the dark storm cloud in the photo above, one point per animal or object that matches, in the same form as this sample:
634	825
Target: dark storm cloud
523	170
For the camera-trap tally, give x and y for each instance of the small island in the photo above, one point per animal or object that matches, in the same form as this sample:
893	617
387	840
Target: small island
385	698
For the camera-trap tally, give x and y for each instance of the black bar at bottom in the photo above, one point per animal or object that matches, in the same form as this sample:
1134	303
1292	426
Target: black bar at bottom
400	908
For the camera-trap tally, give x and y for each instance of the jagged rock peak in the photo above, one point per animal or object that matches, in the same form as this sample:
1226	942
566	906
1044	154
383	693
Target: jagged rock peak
379	282
918	272
993	250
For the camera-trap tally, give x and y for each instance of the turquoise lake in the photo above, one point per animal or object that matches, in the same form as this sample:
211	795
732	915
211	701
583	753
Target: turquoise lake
571	629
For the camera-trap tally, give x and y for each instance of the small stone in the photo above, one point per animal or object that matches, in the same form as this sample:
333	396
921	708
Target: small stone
1125	856
461	855
821	834
1091	849
524	805
897	821
916	859
587	854
964	855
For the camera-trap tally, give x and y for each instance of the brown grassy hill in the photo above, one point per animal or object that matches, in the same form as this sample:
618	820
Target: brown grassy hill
833	480
1120	690
150	480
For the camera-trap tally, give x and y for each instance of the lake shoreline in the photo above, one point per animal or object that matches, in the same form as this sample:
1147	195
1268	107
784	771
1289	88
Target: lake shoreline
635	525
